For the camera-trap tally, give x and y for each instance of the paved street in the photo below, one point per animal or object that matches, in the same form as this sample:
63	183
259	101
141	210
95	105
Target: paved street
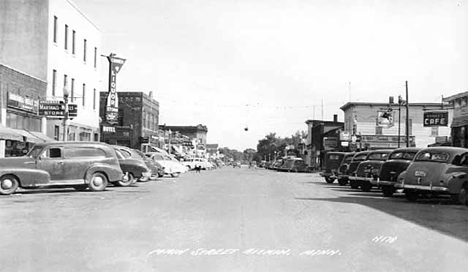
230	220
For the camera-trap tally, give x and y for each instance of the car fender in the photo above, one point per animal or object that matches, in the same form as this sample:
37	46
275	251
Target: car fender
113	173
28	177
456	181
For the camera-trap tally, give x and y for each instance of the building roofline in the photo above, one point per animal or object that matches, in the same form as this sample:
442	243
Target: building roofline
455	96
323	121
84	15
23	73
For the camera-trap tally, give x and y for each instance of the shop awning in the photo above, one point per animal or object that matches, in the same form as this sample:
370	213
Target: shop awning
28	137
41	136
10	134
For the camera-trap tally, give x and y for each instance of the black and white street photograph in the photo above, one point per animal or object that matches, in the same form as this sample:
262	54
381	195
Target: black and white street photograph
233	135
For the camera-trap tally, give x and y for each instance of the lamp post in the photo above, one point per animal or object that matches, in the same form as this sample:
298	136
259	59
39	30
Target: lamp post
66	93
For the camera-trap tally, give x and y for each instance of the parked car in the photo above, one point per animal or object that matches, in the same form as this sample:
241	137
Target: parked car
294	165
437	170
170	165
331	163
351	172
155	167
192	163
80	165
342	172
133	166
396	163
369	169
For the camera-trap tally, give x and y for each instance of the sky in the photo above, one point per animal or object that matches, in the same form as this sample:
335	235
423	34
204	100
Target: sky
270	65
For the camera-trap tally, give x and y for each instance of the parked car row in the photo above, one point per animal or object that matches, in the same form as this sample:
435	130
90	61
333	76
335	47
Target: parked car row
291	164
80	165
428	171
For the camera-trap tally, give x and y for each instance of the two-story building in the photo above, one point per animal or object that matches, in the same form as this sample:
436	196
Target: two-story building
459	128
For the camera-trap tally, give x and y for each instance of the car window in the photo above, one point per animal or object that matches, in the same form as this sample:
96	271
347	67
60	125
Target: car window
378	156
360	157
73	152
119	154
125	153
52	153
334	157
433	156
158	157
35	151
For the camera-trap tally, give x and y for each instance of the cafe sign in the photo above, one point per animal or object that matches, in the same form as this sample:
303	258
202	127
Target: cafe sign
22	103
435	119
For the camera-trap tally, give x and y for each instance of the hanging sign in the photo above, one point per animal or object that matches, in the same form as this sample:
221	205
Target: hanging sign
112	107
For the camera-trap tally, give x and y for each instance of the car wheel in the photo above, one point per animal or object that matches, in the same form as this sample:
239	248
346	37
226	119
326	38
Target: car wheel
342	182
462	196
188	168
127	180
388	191
97	182
353	185
174	175
366	187
8	185
329	180
411	196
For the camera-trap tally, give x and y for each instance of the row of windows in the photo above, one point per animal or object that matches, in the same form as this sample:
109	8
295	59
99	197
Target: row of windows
71	86
17	121
73	41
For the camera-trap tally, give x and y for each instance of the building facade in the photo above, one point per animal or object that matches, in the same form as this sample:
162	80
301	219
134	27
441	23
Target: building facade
55	42
378	125
459	128
138	120
321	138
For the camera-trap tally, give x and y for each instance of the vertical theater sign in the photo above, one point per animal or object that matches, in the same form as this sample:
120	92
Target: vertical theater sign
112	107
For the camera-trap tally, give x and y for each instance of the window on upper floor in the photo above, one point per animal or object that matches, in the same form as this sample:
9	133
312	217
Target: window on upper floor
434	131
84	94
94	98
84	49
55	28
72	90
73	41
65	78
54	81
95	57
66	37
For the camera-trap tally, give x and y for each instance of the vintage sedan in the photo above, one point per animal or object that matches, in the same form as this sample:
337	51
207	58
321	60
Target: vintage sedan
170	165
80	165
369	169
342	171
133	166
396	163
437	170
353	166
331	164
294	165
156	168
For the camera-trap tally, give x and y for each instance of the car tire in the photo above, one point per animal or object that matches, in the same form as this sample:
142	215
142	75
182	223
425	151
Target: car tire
366	187
97	182
329	180
462	196
8	184
175	175
127	180
342	182
188	168
388	191
353	184
411	196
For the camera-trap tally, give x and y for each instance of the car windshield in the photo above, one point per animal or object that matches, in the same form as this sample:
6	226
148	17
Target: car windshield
402	156
334	157
433	156
360	157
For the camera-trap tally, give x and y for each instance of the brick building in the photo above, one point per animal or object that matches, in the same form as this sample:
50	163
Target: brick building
138	120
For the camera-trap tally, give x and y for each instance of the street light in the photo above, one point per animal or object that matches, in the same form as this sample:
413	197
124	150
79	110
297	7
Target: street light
66	93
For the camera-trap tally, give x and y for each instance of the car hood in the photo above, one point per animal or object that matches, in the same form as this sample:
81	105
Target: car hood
15	161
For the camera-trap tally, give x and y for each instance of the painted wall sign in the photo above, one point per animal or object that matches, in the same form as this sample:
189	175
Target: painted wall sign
435	119
385	118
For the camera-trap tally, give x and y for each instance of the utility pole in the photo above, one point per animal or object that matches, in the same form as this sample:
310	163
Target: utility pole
407	116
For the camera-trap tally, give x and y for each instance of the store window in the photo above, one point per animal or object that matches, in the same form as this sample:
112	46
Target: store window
56	133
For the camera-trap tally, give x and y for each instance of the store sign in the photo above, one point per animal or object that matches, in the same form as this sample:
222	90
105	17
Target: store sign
385	118
436	119
330	143
56	109
22	103
345	136
112	108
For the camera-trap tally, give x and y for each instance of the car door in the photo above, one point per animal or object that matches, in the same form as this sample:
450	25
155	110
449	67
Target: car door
52	161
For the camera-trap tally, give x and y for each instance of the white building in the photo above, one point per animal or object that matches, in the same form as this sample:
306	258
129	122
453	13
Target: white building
55	42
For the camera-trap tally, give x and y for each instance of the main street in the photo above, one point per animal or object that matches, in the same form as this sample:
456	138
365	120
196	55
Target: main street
230	220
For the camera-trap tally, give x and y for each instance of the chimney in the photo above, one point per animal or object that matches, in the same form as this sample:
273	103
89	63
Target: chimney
335	118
